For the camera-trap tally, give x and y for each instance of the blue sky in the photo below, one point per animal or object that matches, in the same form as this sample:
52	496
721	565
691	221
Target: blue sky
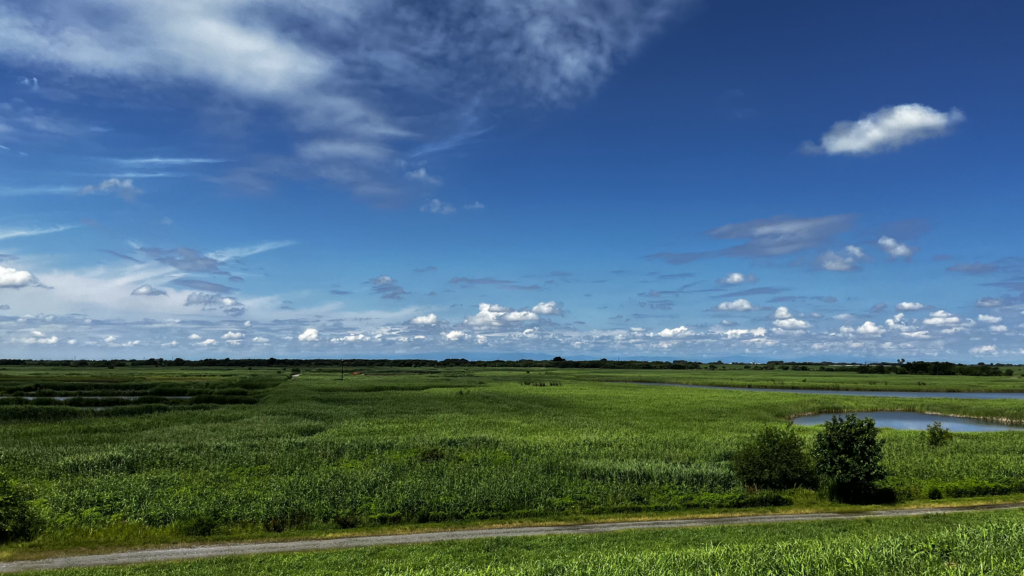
590	178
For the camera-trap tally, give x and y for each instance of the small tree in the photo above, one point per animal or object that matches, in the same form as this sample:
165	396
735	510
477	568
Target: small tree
848	457
936	435
17	519
773	458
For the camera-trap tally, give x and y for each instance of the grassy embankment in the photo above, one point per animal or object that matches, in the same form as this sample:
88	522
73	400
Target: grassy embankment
319	454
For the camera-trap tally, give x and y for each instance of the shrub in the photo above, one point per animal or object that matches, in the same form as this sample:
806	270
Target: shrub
17	519
936	435
848	457
773	458
197	526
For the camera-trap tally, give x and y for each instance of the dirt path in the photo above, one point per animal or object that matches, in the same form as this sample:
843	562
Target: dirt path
170	554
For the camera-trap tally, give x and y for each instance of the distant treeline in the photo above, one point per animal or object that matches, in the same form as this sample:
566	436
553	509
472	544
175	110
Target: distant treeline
902	367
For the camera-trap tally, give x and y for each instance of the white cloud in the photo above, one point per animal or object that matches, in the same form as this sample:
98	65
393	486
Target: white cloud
791	324
474	206
420	175
675	332
894	248
740	332
309	335
546	308
348	77
170	344
920	334
11	278
886	129
870	328
495	315
233	336
738	305
941	318
997	328
455	335
195	337
989	319
843	316
910	306
123	188
782	313
737	278
6	233
207	342
435	206
989	302
147	290
260	340
979	350
351	338
110	339
837	262
427	320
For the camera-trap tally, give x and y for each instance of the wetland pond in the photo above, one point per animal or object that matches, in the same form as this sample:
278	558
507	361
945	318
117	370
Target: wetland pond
881	393
917	421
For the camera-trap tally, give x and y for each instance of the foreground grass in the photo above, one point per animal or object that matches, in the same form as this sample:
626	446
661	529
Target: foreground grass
955	544
447	447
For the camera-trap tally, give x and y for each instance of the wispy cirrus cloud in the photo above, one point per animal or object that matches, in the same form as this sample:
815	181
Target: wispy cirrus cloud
7	233
339	83
767	237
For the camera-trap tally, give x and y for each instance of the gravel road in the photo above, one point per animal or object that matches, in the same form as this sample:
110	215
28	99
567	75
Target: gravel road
197	552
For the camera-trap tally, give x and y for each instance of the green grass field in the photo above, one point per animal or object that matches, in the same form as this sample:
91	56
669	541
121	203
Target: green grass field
320	454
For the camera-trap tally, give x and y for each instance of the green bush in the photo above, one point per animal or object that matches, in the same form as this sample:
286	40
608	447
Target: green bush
936	435
17	519
848	457
773	458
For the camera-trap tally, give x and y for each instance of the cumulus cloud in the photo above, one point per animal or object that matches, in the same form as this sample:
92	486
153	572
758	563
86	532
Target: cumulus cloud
740	332
738	305
455	335
989	319
309	335
207	342
677	332
870	328
886	129
233	336
998	328
428	320
941	318
909	306
260	340
989	302
783	313
11	278
435	206
984	350
546	308
845	262
147	290
894	248
791	324
122	188
737	278
420	175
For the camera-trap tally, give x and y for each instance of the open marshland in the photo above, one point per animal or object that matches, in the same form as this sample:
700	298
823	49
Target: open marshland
257	453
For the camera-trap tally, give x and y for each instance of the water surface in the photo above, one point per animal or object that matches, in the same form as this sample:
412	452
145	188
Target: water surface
917	421
885	393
